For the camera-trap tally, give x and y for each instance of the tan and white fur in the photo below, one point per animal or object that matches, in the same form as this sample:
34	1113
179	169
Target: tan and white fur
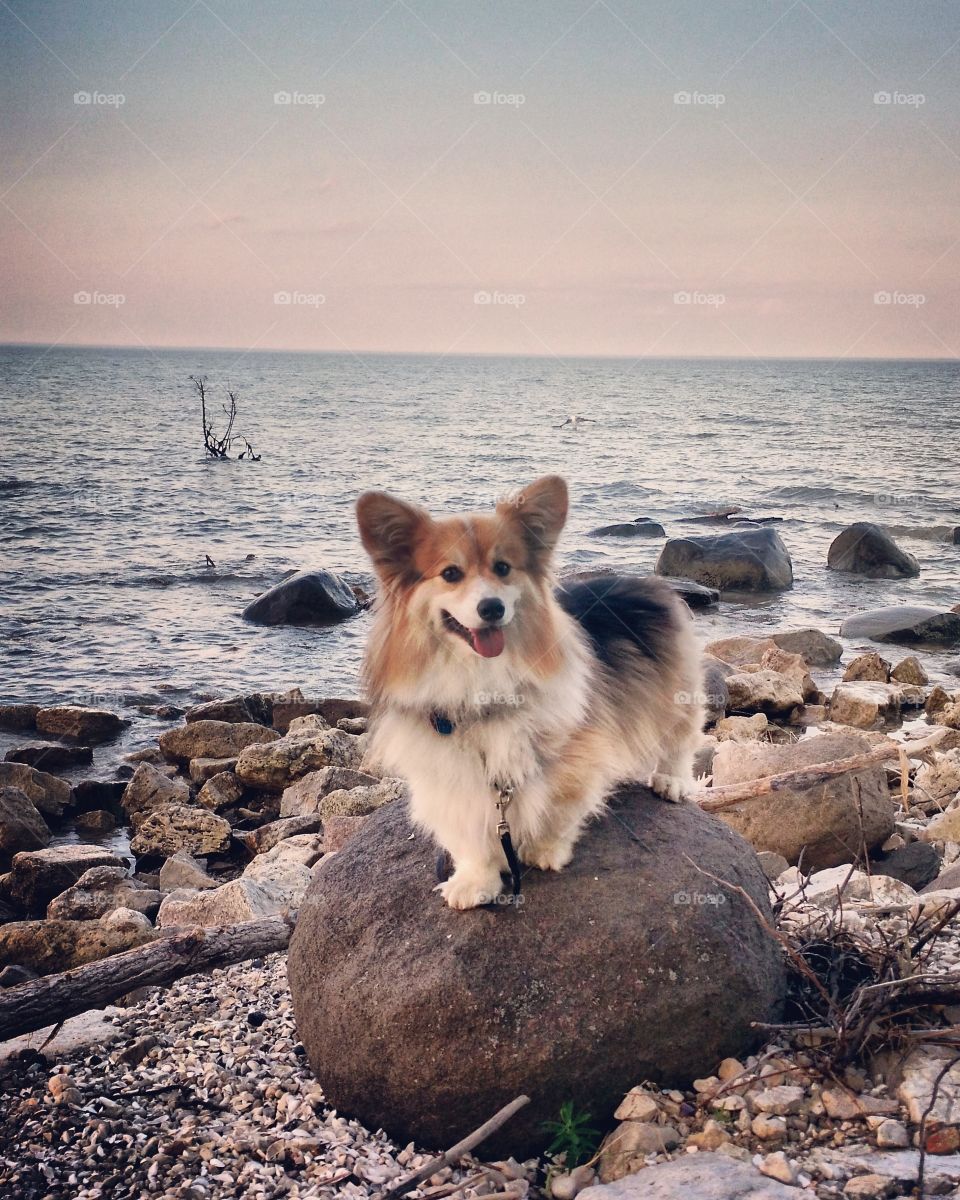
560	694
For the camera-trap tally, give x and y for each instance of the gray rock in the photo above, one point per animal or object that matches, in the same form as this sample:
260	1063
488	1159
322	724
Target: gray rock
212	739
276	765
150	790
53	756
45	946
870	668
905	624
302	798
637	528
21	825
239	900
80	724
220	791
866	705
182	870
36	876
202	769
695	595
916	863
259	841
97	821
50	795
181	827
818	649
762	692
306	598
450	1014
910	670
101	890
361	801
822	823
255	708
703	1176
754	560
866	549
19	717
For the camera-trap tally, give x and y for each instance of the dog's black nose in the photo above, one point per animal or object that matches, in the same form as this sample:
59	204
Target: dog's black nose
491	609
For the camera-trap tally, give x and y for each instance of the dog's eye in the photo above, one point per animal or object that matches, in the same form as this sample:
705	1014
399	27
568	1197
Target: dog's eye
501	568
452	574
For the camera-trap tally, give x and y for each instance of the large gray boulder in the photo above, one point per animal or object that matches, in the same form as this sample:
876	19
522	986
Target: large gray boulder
751	560
905	624
306	598
630	964
828	824
866	549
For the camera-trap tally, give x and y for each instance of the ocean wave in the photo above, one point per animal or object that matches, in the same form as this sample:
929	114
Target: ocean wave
18	485
924	533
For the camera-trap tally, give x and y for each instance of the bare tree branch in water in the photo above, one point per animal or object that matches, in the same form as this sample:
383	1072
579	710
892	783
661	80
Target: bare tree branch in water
220	446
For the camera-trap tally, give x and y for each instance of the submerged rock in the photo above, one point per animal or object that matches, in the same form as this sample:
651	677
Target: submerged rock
80	724
822	823
754	560
54	756
306	598
19	717
907	624
448	1015
866	705
641	527
815	647
866	549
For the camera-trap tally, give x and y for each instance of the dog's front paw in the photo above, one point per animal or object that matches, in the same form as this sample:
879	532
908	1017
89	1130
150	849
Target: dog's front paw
670	787
547	856
470	889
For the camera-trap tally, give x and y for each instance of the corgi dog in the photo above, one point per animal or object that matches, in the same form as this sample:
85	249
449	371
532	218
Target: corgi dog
487	679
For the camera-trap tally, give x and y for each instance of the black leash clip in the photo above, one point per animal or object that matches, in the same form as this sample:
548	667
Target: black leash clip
504	799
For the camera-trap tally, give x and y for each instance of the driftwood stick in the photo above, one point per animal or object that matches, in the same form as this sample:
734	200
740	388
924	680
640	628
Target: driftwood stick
53	998
715	799
455	1153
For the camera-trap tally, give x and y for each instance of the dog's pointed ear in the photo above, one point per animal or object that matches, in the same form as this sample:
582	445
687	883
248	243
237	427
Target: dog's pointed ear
388	530
540	510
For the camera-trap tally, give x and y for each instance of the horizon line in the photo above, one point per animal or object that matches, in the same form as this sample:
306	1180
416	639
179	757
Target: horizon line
493	354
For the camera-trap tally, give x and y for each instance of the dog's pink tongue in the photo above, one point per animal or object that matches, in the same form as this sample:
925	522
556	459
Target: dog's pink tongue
488	642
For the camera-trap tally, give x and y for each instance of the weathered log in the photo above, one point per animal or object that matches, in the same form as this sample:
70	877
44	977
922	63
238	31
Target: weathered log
715	799
53	998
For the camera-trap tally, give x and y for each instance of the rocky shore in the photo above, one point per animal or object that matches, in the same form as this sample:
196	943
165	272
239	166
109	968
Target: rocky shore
202	1090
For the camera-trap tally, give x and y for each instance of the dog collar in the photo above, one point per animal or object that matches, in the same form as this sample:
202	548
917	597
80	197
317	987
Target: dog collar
442	723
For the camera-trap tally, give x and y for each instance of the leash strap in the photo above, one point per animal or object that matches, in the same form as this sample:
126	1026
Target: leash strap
504	797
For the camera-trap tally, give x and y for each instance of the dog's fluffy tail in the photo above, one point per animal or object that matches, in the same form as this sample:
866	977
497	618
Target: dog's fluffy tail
619	611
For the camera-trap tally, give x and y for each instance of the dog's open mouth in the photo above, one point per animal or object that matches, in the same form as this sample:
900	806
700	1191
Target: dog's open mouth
487	641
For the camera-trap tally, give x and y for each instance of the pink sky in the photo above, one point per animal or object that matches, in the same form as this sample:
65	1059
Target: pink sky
785	209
